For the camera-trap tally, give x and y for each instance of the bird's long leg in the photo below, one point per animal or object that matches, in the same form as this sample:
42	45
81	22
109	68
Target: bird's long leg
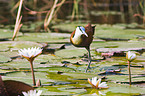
89	58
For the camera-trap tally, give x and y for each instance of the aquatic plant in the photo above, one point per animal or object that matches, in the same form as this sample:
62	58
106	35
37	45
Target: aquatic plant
30	55
130	56
18	20
51	14
142	9
97	83
32	93
48	19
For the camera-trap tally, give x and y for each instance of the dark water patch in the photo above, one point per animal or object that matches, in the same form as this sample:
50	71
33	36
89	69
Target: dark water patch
112	70
120	66
56	68
119	54
93	60
110	73
81	79
113	67
65	62
68	43
58	83
78	88
4	39
16	57
62	83
3	74
137	66
60	72
123	66
111	47
47	50
6	61
8	72
77	63
43	62
133	83
141	75
113	39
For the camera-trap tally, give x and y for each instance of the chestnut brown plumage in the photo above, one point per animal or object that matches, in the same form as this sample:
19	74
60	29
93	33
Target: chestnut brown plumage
83	37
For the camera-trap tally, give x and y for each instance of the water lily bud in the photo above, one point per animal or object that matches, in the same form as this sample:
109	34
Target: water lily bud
130	56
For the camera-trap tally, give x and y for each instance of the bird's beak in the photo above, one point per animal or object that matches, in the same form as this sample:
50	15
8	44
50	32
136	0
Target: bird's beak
82	29
85	33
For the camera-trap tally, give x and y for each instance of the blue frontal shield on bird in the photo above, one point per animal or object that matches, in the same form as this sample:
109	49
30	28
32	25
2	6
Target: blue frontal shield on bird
83	37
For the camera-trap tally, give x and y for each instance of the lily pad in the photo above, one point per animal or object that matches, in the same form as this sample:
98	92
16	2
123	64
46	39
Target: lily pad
19	76
7	34
63	72
70	53
67	27
16	45
4	59
45	37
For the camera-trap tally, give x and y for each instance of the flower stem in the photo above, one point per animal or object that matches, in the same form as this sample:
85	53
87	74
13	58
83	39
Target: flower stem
129	72
32	70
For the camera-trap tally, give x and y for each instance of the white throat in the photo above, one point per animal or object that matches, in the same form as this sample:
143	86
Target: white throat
77	36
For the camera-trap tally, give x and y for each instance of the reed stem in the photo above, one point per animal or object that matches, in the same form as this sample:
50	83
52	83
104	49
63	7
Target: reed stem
18	20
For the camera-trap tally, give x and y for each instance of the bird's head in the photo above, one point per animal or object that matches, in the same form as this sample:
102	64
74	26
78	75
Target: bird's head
78	35
81	30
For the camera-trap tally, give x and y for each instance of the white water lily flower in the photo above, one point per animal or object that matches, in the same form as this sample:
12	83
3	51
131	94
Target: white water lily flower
30	53
97	83
130	56
32	93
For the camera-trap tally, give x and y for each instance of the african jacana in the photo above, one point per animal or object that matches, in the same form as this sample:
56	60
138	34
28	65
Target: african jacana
83	37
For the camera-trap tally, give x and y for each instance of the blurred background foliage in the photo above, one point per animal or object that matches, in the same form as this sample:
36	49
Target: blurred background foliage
80	11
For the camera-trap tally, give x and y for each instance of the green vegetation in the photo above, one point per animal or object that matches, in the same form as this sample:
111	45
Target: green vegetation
62	73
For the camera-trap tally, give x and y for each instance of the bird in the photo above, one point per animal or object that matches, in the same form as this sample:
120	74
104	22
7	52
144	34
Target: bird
83	37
